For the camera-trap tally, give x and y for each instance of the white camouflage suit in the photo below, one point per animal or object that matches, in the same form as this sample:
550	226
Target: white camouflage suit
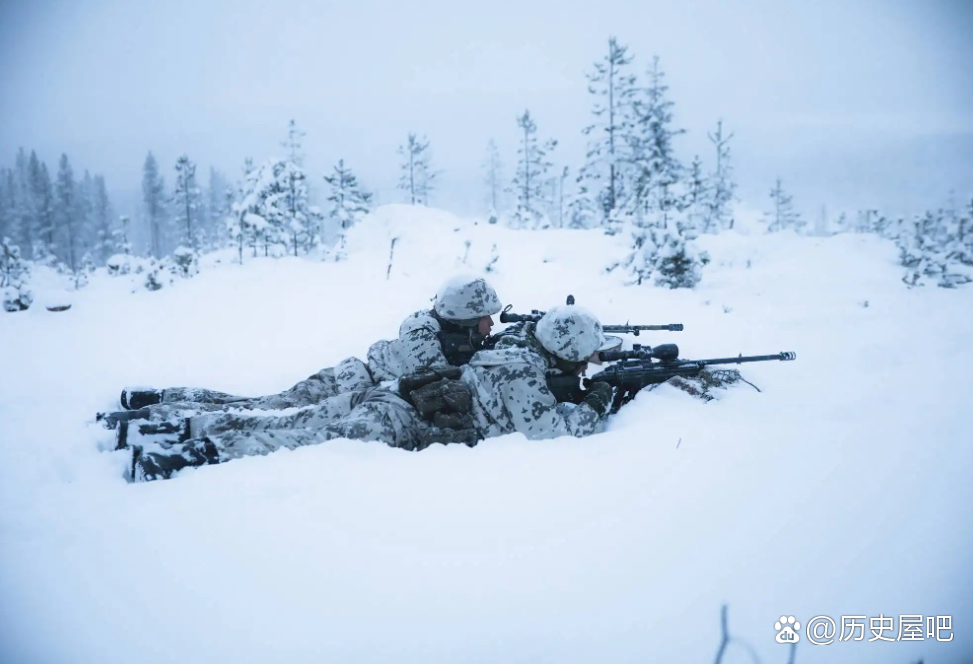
353	400
508	386
416	347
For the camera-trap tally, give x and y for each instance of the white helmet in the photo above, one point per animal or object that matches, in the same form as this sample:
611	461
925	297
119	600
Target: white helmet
570	332
465	299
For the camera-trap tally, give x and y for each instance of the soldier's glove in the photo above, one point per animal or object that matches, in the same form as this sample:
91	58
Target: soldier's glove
599	397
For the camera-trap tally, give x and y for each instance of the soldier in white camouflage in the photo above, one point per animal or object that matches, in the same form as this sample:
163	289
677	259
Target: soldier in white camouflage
505	391
448	334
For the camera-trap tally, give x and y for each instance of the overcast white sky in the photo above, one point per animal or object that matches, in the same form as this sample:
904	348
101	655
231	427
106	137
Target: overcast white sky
864	102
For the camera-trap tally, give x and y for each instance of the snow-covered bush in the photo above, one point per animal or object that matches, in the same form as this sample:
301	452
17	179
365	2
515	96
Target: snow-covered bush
666	255
83	273
159	273
119	265
932	248
14	273
185	262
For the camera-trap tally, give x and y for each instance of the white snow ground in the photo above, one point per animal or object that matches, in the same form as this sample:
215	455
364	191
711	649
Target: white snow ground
843	488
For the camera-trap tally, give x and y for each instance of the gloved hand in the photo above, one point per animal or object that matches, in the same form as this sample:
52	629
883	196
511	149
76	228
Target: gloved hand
599	397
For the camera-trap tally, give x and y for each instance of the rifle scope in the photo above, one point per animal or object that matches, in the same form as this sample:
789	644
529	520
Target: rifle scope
662	352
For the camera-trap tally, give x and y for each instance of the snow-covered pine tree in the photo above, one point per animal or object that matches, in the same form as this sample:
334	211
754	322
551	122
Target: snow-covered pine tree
67	216
293	143
102	215
86	208
43	195
153	195
531	178
23	204
604	180
238	227
273	193
262	213
6	202
219	198
418	177
186	201
14	275
493	171
122	261
347	201
782	215
662	230
695	202
656	168
664	256
301	224
721	184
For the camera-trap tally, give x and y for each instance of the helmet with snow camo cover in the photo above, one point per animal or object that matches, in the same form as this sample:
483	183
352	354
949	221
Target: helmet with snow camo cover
465	299
570	332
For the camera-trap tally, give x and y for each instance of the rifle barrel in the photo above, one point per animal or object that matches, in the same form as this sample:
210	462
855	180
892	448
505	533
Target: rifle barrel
634	329
785	356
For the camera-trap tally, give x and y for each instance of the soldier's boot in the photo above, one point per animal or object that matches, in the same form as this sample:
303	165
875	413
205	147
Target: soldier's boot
161	465
134	434
134	398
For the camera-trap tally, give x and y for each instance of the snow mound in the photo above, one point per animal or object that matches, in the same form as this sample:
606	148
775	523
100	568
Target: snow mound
841	488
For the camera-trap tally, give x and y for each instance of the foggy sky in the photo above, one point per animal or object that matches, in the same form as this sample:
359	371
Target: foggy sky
857	103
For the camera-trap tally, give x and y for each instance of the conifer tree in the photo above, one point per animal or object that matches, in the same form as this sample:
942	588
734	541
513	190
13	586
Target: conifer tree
493	170
67	215
14	275
186	203
722	186
695	201
24	219
153	195
782	215
604	180
121	235
656	167
219	199
102	215
348	202
43	194
6	202
418	177
531	178
293	143
240	228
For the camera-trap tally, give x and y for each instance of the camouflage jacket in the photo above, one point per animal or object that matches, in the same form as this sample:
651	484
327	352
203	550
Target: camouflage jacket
509	385
416	347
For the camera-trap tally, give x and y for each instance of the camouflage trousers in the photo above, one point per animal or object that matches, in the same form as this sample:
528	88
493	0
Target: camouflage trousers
376	413
372	414
348	375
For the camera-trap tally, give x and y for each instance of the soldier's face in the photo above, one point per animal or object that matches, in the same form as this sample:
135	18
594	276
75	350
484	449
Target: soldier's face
484	325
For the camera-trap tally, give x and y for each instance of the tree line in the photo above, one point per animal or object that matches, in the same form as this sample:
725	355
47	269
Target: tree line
631	182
